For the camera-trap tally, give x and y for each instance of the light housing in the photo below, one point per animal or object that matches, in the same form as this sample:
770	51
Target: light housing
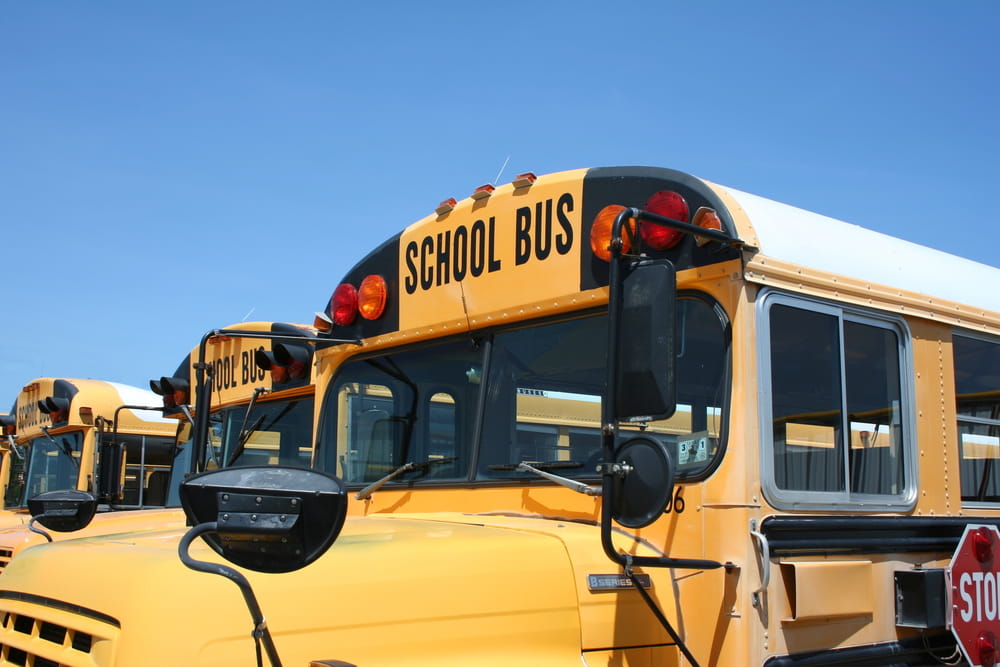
174	390
56	408
706	218
445	207
483	192
344	305
322	322
372	297
668	204
286	362
600	232
524	180
986	647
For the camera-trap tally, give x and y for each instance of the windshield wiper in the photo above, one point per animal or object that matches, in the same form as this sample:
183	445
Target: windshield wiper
366	492
535	467
14	448
61	446
241	444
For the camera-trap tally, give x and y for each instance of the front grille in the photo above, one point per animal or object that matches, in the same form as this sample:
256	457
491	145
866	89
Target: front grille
29	641
5	556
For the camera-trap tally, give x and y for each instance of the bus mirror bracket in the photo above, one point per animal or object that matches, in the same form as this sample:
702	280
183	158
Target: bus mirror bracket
263	518
62	511
639	386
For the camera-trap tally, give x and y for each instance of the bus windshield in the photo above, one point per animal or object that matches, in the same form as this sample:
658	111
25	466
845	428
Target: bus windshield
474	408
53	464
269	433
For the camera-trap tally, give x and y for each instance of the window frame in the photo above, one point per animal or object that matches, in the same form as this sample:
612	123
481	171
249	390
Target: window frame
980	421
845	500
326	431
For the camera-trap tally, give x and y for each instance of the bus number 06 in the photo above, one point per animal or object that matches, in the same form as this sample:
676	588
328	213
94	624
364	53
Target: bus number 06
676	503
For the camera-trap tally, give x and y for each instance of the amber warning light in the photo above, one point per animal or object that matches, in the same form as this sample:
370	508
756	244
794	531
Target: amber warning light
666	204
369	300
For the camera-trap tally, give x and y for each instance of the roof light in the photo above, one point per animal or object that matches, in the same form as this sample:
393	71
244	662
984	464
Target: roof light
706	218
344	305
31	387
372	296
668	204
87	415
447	206
285	361
524	180
56	408
322	322
600	232
483	192
175	391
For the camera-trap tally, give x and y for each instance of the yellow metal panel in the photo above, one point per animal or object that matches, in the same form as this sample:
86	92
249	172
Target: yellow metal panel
519	245
822	589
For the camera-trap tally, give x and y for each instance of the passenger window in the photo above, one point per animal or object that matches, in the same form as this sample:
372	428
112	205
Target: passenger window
837	414
977	389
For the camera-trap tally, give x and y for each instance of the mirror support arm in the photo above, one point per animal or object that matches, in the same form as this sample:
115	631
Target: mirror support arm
260	632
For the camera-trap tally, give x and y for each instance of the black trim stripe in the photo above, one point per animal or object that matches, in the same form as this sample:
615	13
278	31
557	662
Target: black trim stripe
825	535
60	605
912	651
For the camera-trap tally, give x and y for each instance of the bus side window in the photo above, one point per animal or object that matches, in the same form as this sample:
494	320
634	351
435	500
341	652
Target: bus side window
838	404
977	392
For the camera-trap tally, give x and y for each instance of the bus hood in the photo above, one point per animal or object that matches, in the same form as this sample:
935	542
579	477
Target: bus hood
391	590
15	539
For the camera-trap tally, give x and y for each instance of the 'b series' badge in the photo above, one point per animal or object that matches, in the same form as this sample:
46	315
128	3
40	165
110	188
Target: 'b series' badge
615	582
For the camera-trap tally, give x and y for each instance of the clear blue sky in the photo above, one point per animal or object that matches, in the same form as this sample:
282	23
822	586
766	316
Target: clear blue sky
171	167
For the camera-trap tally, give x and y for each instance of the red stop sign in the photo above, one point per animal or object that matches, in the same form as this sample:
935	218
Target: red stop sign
974	581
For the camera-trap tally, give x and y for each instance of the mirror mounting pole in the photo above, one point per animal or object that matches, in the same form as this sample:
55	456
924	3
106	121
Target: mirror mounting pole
610	414
261	634
35	529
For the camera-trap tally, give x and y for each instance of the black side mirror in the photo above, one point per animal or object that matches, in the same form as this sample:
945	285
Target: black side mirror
645	387
646	486
111	470
263	518
61	511
267	518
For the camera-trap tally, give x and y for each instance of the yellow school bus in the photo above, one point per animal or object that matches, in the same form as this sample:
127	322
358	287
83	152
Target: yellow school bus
103	437
611	416
8	449
257	384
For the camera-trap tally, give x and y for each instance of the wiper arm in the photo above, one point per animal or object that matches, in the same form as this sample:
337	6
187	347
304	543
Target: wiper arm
242	442
62	447
366	492
14	448
536	469
244	434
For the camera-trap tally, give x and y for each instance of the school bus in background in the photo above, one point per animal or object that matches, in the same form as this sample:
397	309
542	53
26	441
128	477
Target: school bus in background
63	427
261	411
821	432
8	449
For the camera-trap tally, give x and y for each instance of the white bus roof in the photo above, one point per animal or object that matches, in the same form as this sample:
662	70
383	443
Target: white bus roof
809	239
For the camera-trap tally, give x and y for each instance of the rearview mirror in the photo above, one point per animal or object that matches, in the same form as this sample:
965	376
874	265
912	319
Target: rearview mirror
63	511
644	484
266	518
645	387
